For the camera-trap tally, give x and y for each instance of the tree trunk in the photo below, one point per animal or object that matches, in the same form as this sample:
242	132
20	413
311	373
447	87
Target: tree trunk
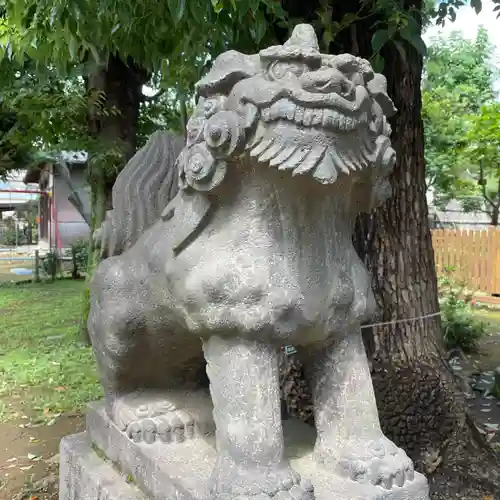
495	214
420	405
115	94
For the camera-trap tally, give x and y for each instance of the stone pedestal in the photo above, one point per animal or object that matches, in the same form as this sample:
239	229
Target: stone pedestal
104	464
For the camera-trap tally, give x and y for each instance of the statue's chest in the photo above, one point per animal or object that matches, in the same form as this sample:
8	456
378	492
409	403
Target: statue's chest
258	276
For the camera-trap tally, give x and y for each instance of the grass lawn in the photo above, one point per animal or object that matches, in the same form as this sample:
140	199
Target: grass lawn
44	368
490	316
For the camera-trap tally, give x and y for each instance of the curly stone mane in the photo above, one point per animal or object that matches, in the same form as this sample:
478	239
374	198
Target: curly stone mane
142	190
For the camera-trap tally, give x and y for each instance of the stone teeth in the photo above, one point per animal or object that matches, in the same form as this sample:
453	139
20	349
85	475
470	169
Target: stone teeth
341	122
317	117
295	159
328	118
308	116
288	110
299	115
350	124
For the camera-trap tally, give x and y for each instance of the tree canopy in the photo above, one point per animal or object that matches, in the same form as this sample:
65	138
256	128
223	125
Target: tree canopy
457	87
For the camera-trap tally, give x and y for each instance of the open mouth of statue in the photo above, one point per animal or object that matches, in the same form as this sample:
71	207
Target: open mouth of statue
329	119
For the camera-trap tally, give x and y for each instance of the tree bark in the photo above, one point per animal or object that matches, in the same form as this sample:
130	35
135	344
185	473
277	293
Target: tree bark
113	120
420	405
115	95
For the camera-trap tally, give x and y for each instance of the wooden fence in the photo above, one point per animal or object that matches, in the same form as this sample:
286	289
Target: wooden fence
473	253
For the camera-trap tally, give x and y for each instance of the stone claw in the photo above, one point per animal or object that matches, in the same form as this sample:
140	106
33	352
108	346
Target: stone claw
174	427
379	462
282	483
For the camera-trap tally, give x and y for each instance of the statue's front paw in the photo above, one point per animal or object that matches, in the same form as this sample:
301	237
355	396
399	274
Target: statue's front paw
174	427
137	406
277	483
377	461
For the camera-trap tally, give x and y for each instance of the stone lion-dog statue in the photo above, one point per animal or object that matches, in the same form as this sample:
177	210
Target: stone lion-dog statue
252	253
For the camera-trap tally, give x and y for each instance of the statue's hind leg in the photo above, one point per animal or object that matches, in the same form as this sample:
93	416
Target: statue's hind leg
145	366
350	440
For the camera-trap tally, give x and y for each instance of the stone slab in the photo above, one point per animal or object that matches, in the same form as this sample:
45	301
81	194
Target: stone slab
181	471
83	475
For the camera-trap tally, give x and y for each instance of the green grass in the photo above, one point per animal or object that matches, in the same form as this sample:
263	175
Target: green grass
490	316
41	357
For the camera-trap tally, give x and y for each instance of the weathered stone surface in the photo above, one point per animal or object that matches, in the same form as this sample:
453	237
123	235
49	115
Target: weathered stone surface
83	475
255	252
182	470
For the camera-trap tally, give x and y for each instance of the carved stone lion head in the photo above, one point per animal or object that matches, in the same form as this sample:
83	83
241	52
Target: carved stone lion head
294	109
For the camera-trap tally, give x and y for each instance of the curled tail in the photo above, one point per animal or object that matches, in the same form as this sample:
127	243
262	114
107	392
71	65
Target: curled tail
142	190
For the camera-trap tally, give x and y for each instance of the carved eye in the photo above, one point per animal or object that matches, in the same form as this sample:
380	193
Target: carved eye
278	70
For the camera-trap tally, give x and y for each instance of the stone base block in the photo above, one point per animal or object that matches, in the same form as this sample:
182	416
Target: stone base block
83	475
180	471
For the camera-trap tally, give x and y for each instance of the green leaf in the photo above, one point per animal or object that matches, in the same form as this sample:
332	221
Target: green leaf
327	38
218	6
413	24
349	18
72	47
477	5
379	39
414	39
176	8
259	27
378	63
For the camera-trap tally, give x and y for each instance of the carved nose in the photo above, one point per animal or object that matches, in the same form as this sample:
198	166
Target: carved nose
326	81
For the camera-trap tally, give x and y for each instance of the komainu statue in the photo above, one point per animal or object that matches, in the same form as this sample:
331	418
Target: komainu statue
253	253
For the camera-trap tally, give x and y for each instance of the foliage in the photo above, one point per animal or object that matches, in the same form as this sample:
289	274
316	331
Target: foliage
173	34
79	257
51	264
460	327
458	81
482	150
447	9
42	359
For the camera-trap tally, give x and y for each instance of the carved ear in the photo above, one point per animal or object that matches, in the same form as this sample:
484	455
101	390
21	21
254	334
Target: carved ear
228	69
377	87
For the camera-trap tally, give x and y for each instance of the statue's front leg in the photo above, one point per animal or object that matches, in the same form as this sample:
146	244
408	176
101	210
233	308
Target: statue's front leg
350	440
245	392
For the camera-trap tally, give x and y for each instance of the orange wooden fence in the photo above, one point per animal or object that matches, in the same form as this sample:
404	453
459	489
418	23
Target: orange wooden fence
474	254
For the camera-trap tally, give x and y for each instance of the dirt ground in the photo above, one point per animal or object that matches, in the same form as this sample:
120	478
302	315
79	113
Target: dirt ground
29	457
